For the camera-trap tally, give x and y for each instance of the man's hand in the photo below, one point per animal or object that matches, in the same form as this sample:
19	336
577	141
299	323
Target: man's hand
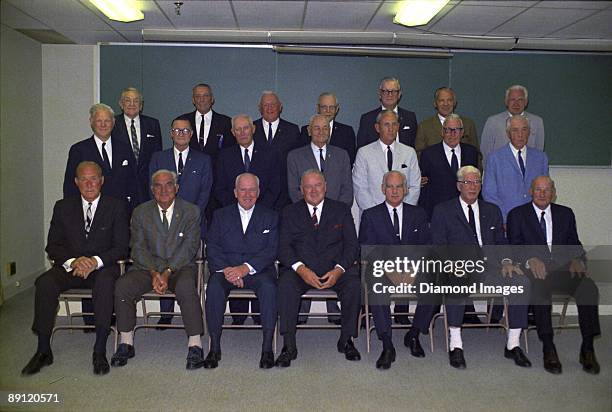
83	266
330	278
234	274
159	281
578	268
398	278
309	277
537	267
508	269
424	180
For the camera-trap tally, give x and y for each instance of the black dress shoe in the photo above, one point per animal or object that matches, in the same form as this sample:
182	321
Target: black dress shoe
212	360
401	319
551	362
100	363
518	356
164	321
286	356
350	351
386	358
456	358
238	320
195	358
124	352
334	321
89	330
413	343
267	360
38	361
589	362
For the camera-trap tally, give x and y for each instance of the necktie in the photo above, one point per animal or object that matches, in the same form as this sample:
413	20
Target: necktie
396	227
164	220
314	219
181	165
270	135
107	163
247	160
88	219
201	135
472	220
543	225
135	146
389	158
521	163
321	160
454	162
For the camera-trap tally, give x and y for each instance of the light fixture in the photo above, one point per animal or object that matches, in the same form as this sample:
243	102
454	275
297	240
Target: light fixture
119	10
418	12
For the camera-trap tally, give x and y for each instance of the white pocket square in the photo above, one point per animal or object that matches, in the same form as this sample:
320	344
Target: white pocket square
406	127
415	230
180	234
150	135
266	231
125	163
492	228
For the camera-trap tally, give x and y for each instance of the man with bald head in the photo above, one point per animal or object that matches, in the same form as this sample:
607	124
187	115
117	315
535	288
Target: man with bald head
556	262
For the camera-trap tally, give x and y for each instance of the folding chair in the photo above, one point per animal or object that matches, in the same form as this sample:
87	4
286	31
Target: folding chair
565	300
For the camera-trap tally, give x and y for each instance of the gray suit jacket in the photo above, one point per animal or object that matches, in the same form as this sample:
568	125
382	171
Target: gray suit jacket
337	172
157	248
370	167
494	133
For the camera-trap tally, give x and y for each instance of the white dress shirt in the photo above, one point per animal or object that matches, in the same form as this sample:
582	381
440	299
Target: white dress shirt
400	211
198	123
315	152
128	124
245	218
266	127
184	155
449	153
85	206
108	147
523	155
476	210
250	148
169	213
548	220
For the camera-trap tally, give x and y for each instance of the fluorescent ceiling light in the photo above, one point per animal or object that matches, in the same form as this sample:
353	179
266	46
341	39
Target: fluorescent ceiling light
418	12
119	10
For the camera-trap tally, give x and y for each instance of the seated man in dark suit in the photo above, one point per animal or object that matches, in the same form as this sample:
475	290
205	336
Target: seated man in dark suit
88	234
472	230
341	135
142	133
395	222
195	178
165	239
278	134
241	250
318	249
555	259
389	94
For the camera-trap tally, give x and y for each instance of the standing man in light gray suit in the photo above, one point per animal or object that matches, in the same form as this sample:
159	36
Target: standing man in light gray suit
380	157
332	161
165	240
494	131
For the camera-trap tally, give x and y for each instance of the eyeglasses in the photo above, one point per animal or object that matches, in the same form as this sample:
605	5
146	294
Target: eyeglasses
452	130
130	101
471	182
388	92
181	132
324	107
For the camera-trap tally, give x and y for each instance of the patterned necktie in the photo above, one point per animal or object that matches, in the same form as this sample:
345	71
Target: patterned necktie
454	162
180	166
543	225
201	135
314	219
135	146
270	135
521	163
107	163
321	160
247	160
164	220
396	226
389	158
472	220
88	219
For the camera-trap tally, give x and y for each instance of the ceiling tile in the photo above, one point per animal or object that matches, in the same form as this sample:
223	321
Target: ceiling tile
16	19
199	15
349	15
92	36
268	15
586	5
499	3
539	22
474	20
62	14
597	26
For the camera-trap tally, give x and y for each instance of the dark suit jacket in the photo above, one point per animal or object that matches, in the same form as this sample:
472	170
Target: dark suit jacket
407	132
120	182
150	142
286	138
333	243
523	228
219	136
342	136
442	181
264	164
196	181
108	237
153	247
226	245
376	227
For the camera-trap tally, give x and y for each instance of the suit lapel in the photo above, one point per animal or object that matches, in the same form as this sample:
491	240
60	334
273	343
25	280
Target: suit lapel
443	159
76	209
484	225
460	216
534	222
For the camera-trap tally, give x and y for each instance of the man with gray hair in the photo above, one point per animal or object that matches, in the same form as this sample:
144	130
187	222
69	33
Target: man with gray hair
494	131
389	94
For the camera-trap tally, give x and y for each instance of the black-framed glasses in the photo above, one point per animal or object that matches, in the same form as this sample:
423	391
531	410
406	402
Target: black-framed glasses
180	132
452	130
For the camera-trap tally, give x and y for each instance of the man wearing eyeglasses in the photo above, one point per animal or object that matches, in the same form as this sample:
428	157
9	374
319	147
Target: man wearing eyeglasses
194	174
389	94
341	135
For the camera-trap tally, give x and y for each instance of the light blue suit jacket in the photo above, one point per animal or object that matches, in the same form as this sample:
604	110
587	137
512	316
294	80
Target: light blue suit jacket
504	184
494	134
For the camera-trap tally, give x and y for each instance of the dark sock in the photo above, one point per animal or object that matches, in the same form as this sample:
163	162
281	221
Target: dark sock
413	333
547	343
215	343
587	343
268	336
289	340
44	344
101	337
387	342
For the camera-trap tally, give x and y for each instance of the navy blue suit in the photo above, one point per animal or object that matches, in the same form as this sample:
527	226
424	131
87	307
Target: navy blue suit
219	136
226	246
264	164
449	227
524	229
150	142
376	228
342	136
407	131
442	183
119	182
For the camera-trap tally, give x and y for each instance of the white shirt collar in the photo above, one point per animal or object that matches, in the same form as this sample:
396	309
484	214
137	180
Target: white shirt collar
384	146
94	203
441	118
